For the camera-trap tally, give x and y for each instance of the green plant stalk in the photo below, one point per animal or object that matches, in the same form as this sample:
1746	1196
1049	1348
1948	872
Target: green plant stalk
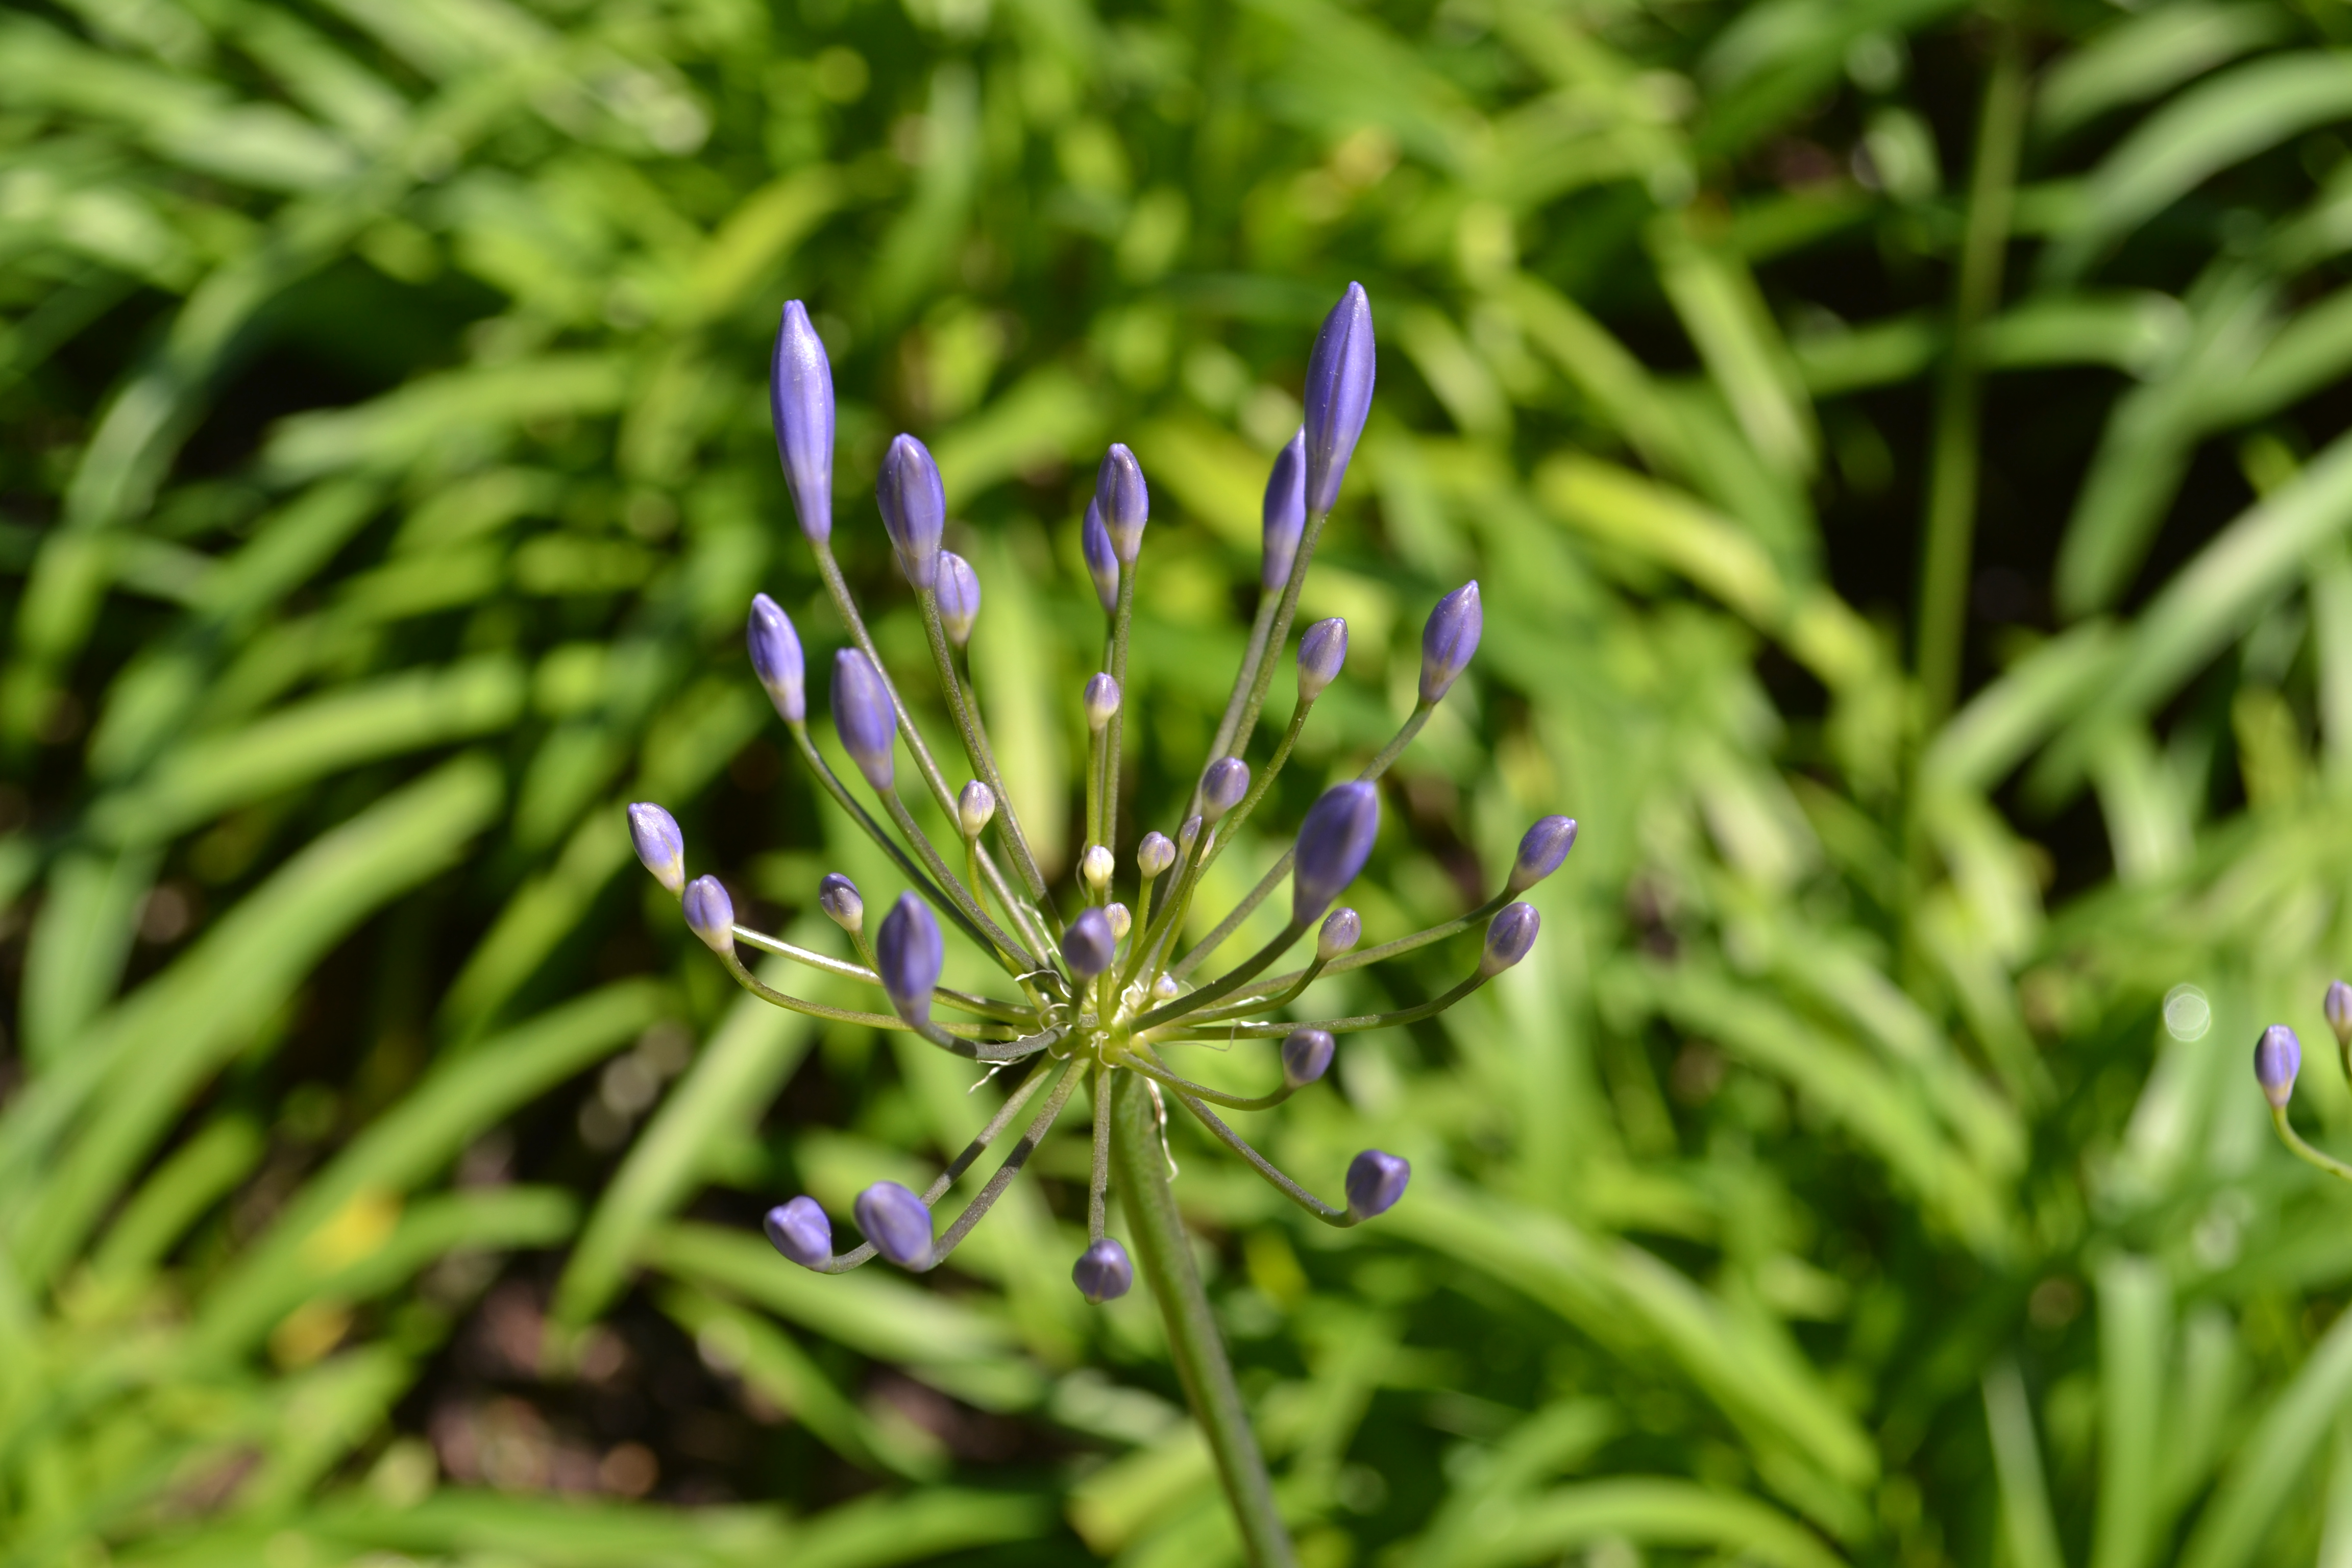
966	714
2305	1151
1193	1344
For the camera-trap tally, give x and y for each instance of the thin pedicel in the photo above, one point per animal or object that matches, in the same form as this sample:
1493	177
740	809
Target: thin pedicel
1105	998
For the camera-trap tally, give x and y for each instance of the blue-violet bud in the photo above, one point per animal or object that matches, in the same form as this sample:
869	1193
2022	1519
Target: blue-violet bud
1376	1180
1342	929
1334	841
908	954
1102	562
1541	850
838	896
1102	1272
1124	501
1322	650
1338	395
959	590
976	805
1450	639
862	715
914	509
1087	945
1101	700
660	846
800	402
2278	1057
800	1231
1508	936
1155	854
776	658
1223	786
897	1222
1285	514
1306	1056
710	914
2338	1006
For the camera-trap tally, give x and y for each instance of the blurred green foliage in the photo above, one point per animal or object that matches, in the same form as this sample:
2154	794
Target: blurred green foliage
1863	1168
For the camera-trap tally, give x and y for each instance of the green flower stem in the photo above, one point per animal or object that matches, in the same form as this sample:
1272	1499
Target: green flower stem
976	1210
1275	874
1145	956
963	1040
1282	991
1098	1179
1135	1061
1348	1026
961	1001
1226	983
1371	955
1338	1218
1116	731
1096	740
1166	1254
2305	1151
1277	633
1223	746
1008	951
975	743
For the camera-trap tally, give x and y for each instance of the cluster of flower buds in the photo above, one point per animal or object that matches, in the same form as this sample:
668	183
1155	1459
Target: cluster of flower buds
2278	1057
1105	985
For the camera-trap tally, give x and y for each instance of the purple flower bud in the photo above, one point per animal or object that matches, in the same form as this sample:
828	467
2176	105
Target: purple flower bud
660	844
1223	786
1342	929
800	1231
1541	850
1187	834
1124	501
1508	936
776	658
914	509
1102	562
1088	946
1306	1056
959	592
1101	700
1450	639
800	402
1334	841
1122	920
862	715
1375	1181
1322	650
1338	395
907	956
838	896
1103	1273
710	914
2278	1057
1155	854
1285	514
897	1222
975	807
2338	1006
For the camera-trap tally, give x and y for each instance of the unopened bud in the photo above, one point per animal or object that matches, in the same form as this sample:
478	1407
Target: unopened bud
1306	1056
1342	929
897	1222
800	1231
1122	920
2278	1057
838	896
1088	945
1223	786
1155	854
710	914
1096	865
1510	936
1103	1272
958	587
660	844
1376	1180
975	807
1101	699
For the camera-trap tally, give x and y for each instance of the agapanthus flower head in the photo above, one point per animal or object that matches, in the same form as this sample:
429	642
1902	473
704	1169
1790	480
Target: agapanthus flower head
1334	842
1306	1056
660	847
909	955
914	509
1088	945
1103	1272
1450	639
1102	561
897	1222
799	403
838	896
958	586
1339	374
2278	1057
800	1230
710	914
1124	501
1508	936
1342	929
1101	700
1322	651
1285	514
864	716
1541	849
2338	1006
975	809
776	659
1376	1179
1223	786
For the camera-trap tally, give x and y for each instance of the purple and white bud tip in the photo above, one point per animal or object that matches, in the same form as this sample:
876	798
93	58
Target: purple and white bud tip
1102	561
863	716
1101	700
959	590
1155	854
1334	842
1541	850
1376	1180
1342	929
1322	653
800	1231
776	658
838	896
897	1222
1124	501
975	809
909	955
1285	514
1103	1272
1088	945
2337	1004
1340	376
1096	865
710	914
1188	832
1306	1056
1122	920
660	845
1450	640
800	403
1508	936
2278	1057
914	509
1223	786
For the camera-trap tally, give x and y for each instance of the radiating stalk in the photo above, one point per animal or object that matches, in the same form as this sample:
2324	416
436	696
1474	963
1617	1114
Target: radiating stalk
1226	983
1338	1218
1009	951
975	744
1223	744
962	1000
1166	1254
2305	1151
1115	733
1354	1025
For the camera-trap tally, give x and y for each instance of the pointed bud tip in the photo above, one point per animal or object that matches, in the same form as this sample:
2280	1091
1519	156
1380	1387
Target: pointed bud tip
1223	786
1450	640
863	716
1341	372
1508	936
1155	854
958	586
975	809
1342	929
1322	653
2338	1006
1541	849
1124	501
2278	1057
660	847
710	914
799	405
914	507
838	896
776	659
